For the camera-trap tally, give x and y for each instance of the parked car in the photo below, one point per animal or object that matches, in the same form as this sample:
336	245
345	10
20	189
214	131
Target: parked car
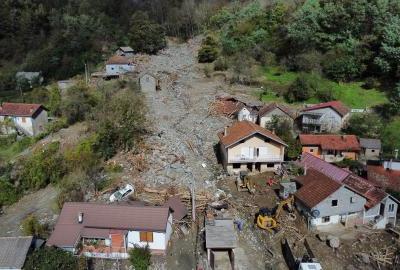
122	193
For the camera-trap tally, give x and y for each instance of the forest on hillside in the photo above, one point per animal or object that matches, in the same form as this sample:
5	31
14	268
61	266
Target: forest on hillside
57	37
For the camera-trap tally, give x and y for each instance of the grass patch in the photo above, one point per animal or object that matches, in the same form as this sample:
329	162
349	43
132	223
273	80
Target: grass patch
351	94
10	149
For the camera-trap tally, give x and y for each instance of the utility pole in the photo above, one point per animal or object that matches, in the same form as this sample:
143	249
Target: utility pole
86	74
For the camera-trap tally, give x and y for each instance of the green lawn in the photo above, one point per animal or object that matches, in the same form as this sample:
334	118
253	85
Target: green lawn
352	94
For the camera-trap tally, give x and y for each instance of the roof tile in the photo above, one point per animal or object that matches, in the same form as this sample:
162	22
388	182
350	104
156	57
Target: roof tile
331	142
338	106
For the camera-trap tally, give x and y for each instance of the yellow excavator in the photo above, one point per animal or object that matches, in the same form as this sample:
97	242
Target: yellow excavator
267	219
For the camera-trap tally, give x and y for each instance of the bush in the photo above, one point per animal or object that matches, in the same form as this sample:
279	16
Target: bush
220	64
368	125
44	166
341	66
140	257
49	258
370	83
31	226
303	88
309	62
72	188
207	54
83	156
8	193
119	122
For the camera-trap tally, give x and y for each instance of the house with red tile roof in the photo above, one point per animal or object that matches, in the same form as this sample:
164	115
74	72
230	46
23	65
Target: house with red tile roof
325	201
109	231
327	117
379	208
331	148
117	65
28	119
269	111
246	146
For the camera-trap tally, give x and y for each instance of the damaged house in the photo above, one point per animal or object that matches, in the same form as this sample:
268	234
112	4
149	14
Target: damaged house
331	195
246	146
266	114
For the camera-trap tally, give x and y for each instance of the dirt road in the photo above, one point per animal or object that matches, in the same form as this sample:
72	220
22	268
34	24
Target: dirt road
40	203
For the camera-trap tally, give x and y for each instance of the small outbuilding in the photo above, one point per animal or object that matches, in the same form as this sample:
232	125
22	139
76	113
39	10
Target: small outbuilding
370	148
14	250
125	51
220	237
149	82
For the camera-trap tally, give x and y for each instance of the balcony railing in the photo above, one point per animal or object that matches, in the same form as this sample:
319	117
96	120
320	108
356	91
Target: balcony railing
268	158
311	121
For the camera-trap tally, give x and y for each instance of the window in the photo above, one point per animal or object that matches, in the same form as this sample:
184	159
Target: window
23	119
373	150
334	202
270	165
236	165
267	140
146	236
326	219
311	150
352	199
391	207
331	152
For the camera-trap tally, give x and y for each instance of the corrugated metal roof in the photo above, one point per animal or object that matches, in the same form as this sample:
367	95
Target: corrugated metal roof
13	251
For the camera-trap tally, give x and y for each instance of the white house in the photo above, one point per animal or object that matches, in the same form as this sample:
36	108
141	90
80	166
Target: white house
266	113
110	231
324	117
29	119
125	51
248	113
118	65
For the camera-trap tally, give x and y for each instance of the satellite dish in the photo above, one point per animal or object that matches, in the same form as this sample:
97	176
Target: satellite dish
315	213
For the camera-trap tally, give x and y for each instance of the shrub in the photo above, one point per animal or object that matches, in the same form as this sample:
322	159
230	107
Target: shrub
303	88
8	193
31	226
72	188
140	257
341	66
207	54
368	125
309	62
83	156
220	64
370	83
44	166
51	258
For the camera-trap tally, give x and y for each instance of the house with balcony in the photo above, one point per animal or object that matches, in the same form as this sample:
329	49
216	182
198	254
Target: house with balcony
246	146
331	148
379	208
109	231
23	118
328	117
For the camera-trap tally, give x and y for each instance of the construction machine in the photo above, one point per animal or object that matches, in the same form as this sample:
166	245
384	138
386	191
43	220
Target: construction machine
245	183
267	219
307	262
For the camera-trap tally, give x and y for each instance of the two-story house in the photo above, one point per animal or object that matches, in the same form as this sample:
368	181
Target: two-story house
246	146
324	117
266	113
109	231
29	119
331	148
379	208
325	201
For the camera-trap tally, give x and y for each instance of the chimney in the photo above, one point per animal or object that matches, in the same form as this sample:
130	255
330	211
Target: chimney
80	217
273	131
225	131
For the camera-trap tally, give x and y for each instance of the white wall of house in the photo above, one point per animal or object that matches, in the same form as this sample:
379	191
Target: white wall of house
245	114
116	69
331	121
267	118
30	126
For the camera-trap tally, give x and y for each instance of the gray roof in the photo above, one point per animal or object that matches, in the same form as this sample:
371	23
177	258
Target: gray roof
13	251
221	234
126	49
27	75
370	143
